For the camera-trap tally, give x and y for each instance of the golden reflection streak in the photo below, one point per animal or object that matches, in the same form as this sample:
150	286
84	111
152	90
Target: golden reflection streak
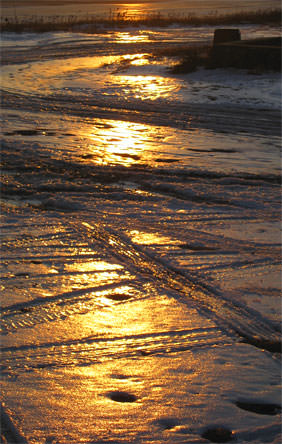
121	142
147	238
95	273
126	37
98	278
92	266
147	87
136	59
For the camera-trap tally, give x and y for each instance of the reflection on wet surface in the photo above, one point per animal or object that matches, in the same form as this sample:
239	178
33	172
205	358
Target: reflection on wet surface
92	266
148	87
114	141
126	276
77	76
132	83
129	37
120	142
47	77
144	238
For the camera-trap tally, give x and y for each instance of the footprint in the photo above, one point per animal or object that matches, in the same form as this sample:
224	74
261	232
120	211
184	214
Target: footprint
166	160
119	297
167	423
119	396
218	434
259	407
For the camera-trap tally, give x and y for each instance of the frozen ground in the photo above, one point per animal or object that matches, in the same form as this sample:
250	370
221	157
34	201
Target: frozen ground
140	243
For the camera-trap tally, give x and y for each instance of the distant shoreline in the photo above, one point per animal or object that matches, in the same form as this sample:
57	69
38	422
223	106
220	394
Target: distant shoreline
31	8
23	3
122	19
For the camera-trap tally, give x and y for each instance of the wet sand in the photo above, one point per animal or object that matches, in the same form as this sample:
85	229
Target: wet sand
131	296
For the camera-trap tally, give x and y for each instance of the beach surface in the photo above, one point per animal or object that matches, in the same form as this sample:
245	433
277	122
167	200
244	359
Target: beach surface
140	273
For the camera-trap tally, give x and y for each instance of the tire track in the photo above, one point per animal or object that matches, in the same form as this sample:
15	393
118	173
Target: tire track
249	325
232	317
56	307
90	350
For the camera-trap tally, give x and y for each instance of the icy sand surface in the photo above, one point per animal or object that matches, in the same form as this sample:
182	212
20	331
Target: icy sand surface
140	244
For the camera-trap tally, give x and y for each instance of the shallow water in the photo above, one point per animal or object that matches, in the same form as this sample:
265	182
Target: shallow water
140	233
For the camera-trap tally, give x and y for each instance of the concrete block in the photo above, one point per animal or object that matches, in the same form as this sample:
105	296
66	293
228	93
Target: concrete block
226	35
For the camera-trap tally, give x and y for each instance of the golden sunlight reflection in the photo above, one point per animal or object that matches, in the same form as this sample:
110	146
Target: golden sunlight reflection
127	37
146	238
136	59
94	279
126	312
120	142
126	77
45	77
92	266
148	87
95	273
